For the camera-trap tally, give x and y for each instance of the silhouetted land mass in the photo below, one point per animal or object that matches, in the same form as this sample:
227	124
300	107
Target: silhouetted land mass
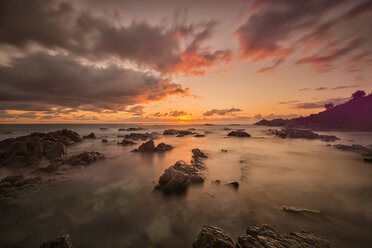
354	115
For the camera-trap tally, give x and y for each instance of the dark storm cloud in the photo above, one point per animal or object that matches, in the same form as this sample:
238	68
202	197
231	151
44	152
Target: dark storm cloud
59	84
278	28
53	24
221	111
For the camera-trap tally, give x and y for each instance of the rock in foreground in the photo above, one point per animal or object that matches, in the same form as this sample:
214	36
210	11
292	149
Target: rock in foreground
149	146
302	134
266	237
63	241
239	134
84	158
213	237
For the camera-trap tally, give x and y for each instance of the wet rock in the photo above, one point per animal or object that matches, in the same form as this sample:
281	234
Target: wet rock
241	161
104	141
84	158
103	128
126	142
355	148
239	134
59	151
266	237
149	146
223	150
302	134
141	136
178	133
233	184
30	149
13	179
191	129
198	135
63	241
11	185
197	158
226	129
50	169
90	136
301	211
178	177
367	160
213	237
122	129
120	136
217	182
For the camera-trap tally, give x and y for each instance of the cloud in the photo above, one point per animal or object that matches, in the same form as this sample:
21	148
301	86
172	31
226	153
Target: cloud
304	89
230	111
175	113
278	29
136	110
275	116
320	88
57	84
320	104
169	49
344	87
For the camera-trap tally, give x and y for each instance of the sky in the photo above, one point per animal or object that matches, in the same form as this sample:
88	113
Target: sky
173	61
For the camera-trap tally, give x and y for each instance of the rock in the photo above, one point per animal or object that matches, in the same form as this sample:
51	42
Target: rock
198	135
223	150
303	134
207	132
122	129
63	241
12	179
120	136
232	184
59	151
266	237
197	158
13	184
50	169
191	129
30	149
367	160
301	211
213	237
239	134
141	136
355	148
226	129
6	132
103	128
218	182
178	133
84	158
241	161
149	146
104	141
126	142
90	136
178	177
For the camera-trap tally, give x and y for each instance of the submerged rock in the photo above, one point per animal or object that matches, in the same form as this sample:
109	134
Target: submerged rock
213	237
84	158
103	128
266	237
126	142
30	149
355	148
149	146
239	134
63	241
178	133
303	134
301	211
90	136
198	135
104	141
141	136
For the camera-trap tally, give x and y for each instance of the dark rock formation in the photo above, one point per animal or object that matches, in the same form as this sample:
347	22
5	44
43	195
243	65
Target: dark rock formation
303	134
84	158
223	150
141	136
239	134
122	129
63	241
104	141
178	133
226	129
266	237
30	149
131	129
103	128
198	135
126	142
354	115
365	151
149	146
213	237
367	160
233	184
177	178
48	170
197	158
301	211
90	136
120	136
13	184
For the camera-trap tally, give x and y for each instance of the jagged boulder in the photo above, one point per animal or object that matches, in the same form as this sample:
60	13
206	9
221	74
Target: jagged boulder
149	146
239	134
212	237
63	241
84	158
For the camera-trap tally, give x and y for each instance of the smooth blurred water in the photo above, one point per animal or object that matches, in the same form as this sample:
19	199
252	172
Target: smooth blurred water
111	204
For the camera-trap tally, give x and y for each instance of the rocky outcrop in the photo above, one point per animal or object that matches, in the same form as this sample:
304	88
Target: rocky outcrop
126	142
90	136
84	158
365	151
103	128
266	237
212	237
63	241
141	136
149	146
302	134
30	149
197	158
239	134
178	133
